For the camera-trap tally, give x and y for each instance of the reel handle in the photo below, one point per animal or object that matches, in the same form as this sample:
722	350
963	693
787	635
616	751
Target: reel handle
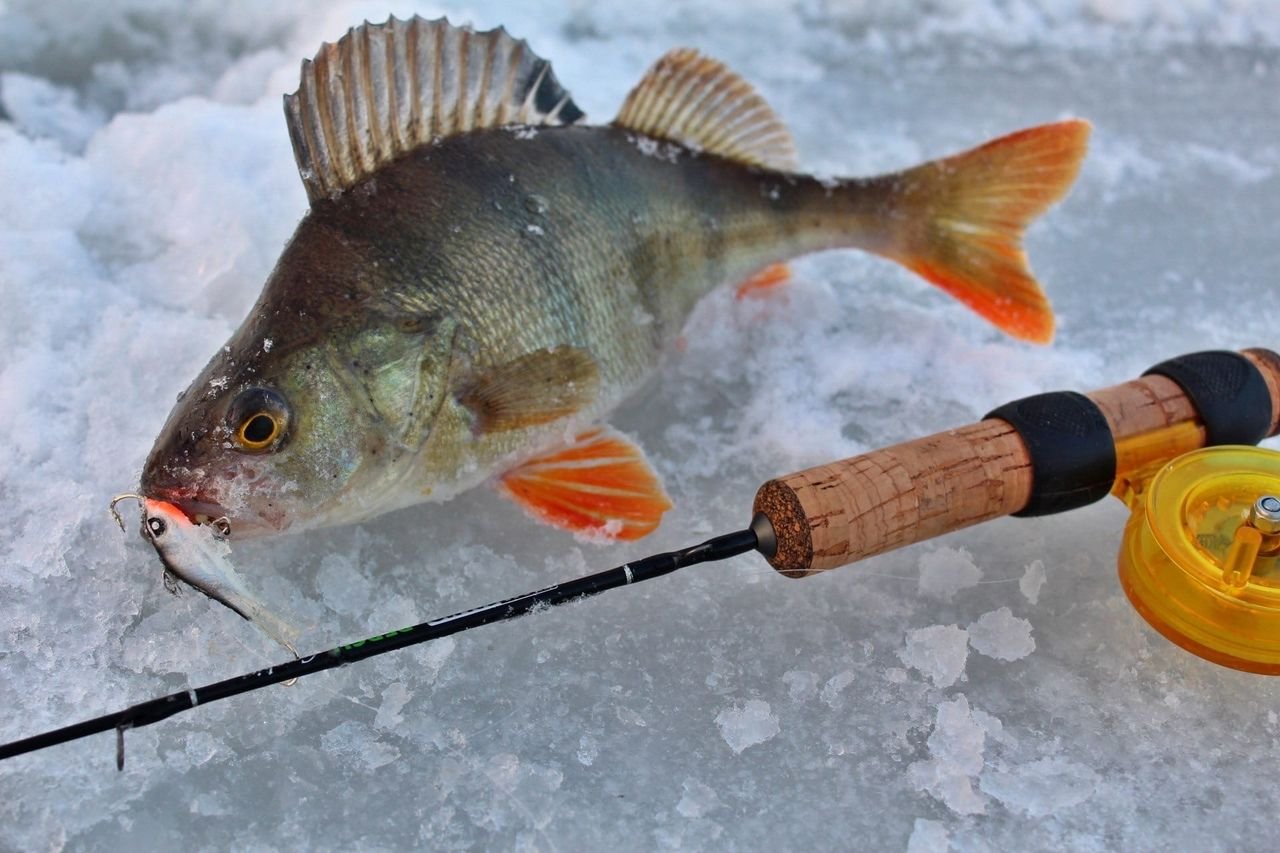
1036	456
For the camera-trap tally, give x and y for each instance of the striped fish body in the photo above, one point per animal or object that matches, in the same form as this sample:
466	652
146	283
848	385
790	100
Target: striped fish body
470	304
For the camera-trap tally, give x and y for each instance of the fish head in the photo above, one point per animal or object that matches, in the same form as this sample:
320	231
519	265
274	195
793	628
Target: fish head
305	417
266	437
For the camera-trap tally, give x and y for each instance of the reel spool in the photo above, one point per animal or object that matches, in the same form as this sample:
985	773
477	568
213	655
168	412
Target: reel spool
1200	558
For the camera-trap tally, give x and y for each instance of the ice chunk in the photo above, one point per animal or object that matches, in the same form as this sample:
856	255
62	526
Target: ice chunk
1032	580
394	697
630	716
356	744
939	652
1042	787
802	685
955	757
748	725
928	836
588	750
698	799
835	686
1001	635
946	571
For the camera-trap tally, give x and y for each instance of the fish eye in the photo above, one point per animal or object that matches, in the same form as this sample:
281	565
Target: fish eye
258	419
157	526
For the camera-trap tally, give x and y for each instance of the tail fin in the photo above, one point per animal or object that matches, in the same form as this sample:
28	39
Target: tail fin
965	217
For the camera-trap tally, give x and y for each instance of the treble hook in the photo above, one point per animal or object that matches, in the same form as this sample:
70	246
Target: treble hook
116	500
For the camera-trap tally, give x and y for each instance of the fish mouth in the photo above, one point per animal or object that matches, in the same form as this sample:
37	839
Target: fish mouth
198	510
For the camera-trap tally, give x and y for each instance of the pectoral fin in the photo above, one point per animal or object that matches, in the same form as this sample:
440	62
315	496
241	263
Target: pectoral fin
600	485
763	282
534	389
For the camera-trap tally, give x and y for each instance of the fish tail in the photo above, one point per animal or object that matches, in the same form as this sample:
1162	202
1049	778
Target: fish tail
963	217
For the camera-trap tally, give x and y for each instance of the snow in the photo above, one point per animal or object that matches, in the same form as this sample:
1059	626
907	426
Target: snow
955	758
749	725
147	187
1042	787
1001	635
1032	581
946	571
939	652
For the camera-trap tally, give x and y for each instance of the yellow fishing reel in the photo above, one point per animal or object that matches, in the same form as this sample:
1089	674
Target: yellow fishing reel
1200	558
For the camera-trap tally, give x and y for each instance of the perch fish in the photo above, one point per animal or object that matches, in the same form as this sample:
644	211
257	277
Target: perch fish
482	277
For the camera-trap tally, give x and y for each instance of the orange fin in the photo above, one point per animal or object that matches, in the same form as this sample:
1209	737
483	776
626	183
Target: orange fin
965	216
600	485
763	282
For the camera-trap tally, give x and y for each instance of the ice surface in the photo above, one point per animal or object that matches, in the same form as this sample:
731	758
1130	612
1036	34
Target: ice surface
146	188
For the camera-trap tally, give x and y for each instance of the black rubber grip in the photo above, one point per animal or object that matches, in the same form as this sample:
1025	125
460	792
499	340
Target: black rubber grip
1073	454
1228	392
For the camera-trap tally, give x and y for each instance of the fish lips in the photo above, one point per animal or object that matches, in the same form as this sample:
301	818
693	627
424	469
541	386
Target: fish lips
200	510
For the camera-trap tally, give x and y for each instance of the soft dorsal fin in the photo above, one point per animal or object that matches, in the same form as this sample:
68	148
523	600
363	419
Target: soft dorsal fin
385	89
696	101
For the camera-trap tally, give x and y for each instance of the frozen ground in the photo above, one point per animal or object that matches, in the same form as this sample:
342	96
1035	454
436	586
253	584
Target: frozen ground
993	690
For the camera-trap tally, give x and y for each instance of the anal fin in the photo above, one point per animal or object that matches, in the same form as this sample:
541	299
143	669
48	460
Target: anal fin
763	282
601	485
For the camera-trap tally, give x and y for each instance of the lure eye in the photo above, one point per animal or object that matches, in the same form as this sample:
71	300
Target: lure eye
258	418
157	526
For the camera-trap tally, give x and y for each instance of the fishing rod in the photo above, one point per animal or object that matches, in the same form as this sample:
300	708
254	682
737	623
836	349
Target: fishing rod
1036	456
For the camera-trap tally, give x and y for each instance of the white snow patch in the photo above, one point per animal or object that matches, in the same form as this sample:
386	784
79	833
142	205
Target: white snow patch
928	836
356	744
945	571
698	799
1001	635
749	725
802	685
939	652
835	686
1032	581
394	697
588	750
1042	787
955	758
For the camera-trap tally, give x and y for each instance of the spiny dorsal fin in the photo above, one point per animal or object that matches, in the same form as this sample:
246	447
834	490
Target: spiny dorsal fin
385	89
696	101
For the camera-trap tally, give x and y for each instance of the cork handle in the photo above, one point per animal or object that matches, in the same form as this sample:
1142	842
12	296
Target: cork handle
834	514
